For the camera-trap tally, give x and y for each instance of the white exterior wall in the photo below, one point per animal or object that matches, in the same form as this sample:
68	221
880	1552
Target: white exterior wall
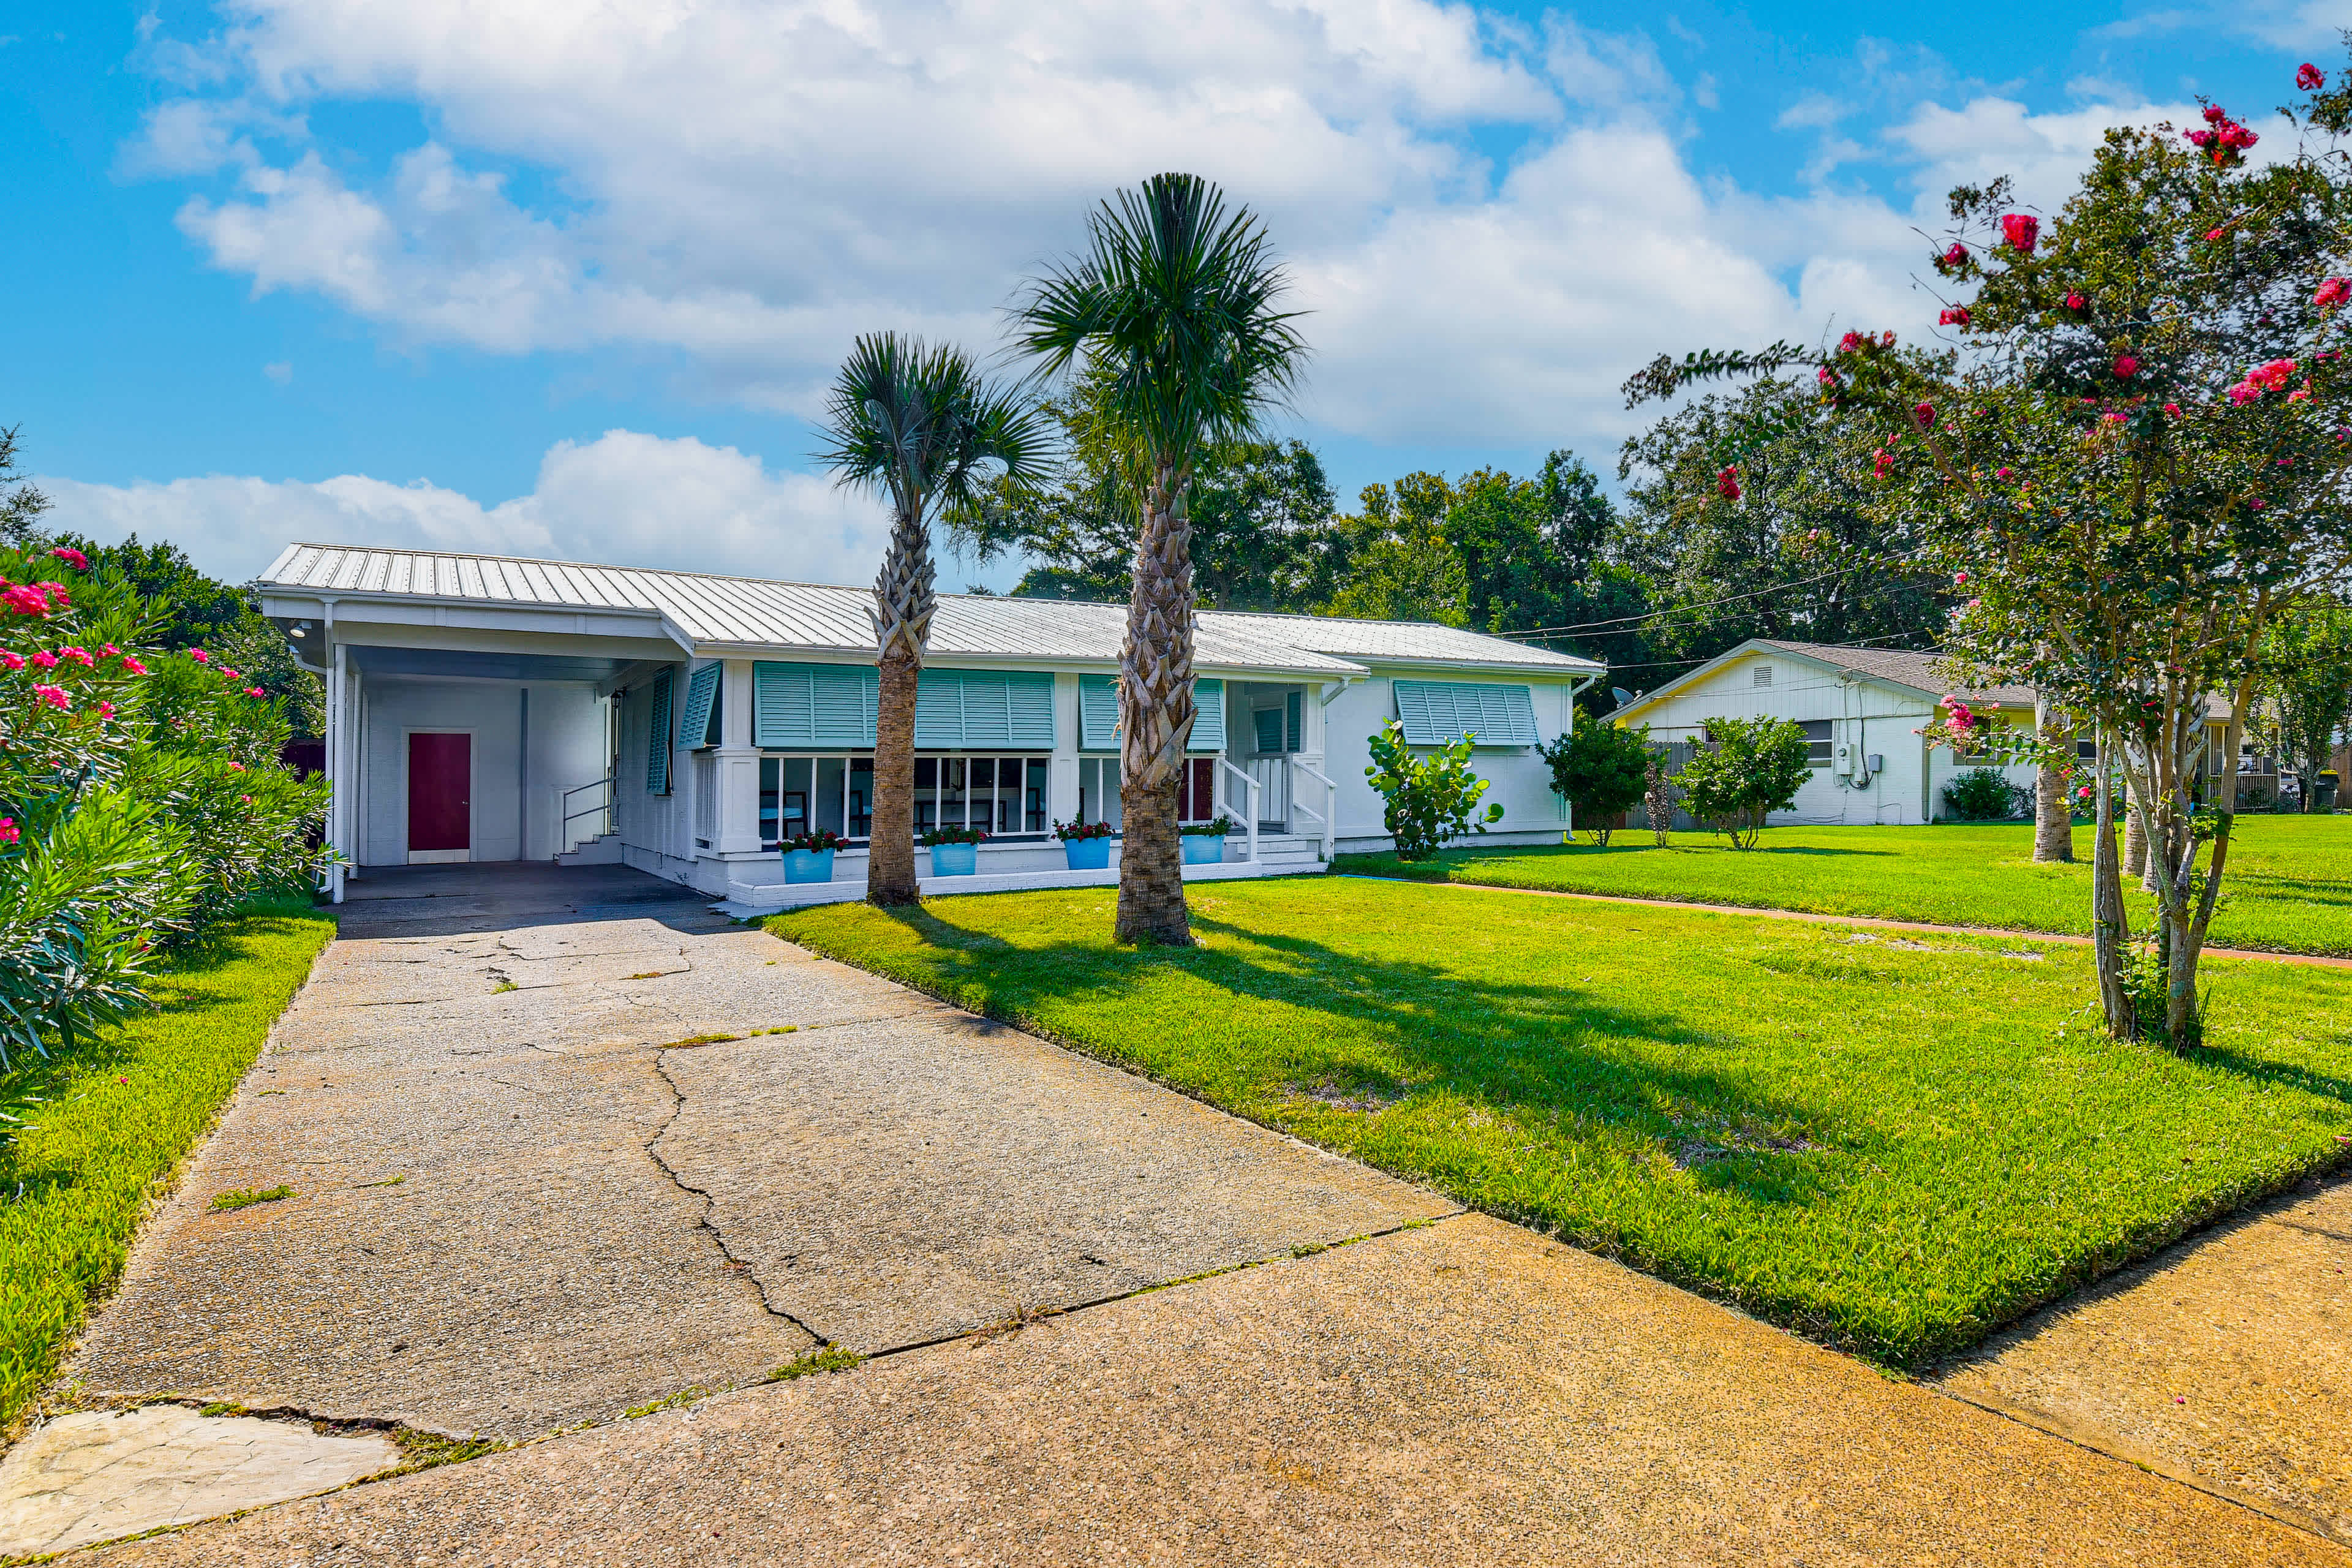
566	748
1518	777
1871	716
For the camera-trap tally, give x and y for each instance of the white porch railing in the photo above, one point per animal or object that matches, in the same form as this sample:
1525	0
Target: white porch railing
595	817
1250	800
1271	776
1329	818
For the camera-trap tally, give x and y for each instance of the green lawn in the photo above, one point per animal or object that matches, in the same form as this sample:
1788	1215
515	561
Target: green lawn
2287	889
1893	1144
114	1121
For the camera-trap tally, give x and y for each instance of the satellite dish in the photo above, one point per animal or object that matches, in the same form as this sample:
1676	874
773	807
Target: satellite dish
1623	697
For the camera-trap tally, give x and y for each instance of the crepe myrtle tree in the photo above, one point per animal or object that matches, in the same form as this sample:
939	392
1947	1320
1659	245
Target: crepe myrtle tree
2130	454
917	422
1173	313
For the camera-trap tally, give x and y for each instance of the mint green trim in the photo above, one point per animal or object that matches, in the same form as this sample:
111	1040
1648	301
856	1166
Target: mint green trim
658	737
695	727
1440	712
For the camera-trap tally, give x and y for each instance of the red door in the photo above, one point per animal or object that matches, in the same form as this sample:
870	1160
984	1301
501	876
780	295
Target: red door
440	792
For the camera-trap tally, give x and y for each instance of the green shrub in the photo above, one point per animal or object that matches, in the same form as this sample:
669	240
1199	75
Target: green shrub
1753	768
1429	800
1979	795
141	799
1599	770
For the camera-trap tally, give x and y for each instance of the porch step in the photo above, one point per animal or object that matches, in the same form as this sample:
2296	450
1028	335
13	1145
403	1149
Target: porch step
605	850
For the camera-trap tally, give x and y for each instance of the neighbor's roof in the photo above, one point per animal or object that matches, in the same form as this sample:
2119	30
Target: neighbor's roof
1919	672
751	612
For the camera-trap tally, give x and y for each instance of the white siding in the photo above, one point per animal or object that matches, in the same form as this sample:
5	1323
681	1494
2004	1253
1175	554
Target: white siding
566	748
1519	778
1869	715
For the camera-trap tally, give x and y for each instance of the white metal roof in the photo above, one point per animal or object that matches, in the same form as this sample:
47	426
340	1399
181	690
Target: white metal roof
750	611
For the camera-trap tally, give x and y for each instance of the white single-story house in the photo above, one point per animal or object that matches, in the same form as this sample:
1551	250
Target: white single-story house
487	709
1862	710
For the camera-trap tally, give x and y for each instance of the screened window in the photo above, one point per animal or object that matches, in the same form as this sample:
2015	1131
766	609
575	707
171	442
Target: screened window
1196	790
1001	796
1817	741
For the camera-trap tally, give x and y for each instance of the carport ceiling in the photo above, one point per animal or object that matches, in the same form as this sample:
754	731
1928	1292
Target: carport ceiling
483	665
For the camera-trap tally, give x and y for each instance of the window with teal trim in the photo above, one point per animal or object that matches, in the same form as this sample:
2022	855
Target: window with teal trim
658	737
698	726
798	706
1098	715
969	709
1440	712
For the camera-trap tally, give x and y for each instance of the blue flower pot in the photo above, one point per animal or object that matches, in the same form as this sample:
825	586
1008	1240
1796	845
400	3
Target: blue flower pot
1204	849
808	865
954	859
1088	854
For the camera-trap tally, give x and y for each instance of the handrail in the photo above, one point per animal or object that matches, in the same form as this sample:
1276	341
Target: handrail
1226	763
1330	815
602	810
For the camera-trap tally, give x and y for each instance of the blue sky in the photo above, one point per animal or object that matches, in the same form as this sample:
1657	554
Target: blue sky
561	279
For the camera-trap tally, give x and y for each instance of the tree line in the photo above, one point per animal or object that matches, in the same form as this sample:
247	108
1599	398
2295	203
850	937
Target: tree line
1663	579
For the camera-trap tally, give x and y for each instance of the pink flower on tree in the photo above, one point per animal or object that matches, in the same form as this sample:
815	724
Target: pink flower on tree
254	691
131	663
71	557
1884	464
2332	293
2273	374
55	696
26	599
1923	415
1960	577
200	656
108	650
2127	367
9	832
2310	77
2215	233
2077	303
2299	395
13	660
79	656
46	659
229	674
2019	231
2173	409
1726	485
2215	114
246	798
106	710
1955	259
2001	473
2244	391
1953	316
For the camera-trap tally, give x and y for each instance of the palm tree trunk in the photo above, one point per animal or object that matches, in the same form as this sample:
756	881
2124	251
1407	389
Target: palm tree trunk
903	605
2054	814
890	849
1156	712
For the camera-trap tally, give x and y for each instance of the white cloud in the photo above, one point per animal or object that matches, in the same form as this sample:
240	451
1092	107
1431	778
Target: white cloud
624	498
744	184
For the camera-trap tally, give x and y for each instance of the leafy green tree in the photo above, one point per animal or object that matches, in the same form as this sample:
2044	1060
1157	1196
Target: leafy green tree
918	424
2307	686
1400	566
1176	305
1428	801
1261	514
1600	769
21	503
1742	515
1749	769
2132	463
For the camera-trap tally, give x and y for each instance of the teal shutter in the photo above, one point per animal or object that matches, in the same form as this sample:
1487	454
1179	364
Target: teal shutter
819	706
657	738
1097	713
1209	728
1294	709
695	727
984	710
1440	712
1269	729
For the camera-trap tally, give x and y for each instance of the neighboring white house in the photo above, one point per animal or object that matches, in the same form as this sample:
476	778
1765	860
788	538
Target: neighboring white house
486	709
1862	710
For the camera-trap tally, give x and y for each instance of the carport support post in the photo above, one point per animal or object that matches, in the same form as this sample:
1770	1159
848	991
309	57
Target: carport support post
738	762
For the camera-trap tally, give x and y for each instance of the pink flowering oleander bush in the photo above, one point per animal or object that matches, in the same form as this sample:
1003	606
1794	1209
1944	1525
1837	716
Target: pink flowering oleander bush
142	793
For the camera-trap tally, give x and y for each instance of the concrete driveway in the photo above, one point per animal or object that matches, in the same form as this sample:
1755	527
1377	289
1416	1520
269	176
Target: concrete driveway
535	1193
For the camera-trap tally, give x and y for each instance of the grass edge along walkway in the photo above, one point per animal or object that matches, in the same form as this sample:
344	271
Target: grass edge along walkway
1872	922
118	1122
1893	1203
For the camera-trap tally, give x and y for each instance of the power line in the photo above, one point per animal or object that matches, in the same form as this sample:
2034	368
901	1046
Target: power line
1704	604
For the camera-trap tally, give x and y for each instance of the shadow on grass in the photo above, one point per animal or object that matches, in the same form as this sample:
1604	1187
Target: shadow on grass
1534	1054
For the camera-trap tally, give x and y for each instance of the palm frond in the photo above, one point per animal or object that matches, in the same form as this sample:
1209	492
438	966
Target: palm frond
1175	304
919	424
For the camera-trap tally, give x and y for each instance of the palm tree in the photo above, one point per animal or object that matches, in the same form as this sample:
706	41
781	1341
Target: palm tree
1172	306
918	424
